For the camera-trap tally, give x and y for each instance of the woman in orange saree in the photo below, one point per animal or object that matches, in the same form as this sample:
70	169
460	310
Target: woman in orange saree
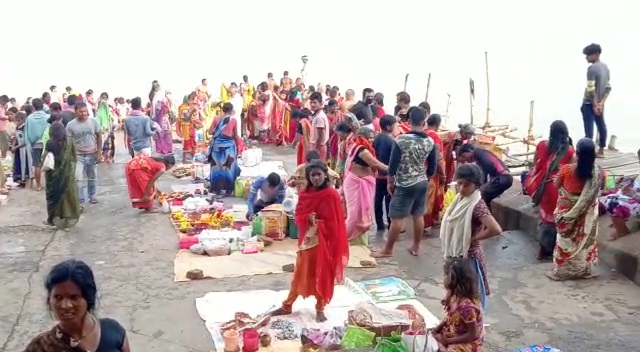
294	104
142	172
323	249
252	117
435	193
188	121
278	133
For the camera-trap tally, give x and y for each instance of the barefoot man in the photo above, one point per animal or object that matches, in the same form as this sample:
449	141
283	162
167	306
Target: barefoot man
407	181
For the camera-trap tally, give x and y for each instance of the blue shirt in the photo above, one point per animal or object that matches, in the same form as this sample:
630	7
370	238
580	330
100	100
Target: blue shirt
138	127
257	185
35	126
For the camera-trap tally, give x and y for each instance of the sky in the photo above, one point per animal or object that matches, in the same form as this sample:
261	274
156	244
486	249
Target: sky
534	50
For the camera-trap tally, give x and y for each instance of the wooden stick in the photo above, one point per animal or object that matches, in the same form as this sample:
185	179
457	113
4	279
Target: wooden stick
406	79
530	130
471	99
486	65
521	154
426	97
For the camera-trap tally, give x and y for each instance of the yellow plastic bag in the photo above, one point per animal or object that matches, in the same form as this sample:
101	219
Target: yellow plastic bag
448	199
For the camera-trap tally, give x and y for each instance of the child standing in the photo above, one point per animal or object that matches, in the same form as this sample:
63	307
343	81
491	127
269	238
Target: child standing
22	163
461	330
383	143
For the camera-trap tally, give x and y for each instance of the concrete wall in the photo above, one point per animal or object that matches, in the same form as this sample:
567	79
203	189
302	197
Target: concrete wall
514	211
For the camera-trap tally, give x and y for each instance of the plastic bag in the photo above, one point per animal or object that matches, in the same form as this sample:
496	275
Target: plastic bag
391	344
238	188
448	199
415	341
357	337
333	338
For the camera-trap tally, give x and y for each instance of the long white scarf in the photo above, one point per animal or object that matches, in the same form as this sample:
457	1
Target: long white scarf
455	229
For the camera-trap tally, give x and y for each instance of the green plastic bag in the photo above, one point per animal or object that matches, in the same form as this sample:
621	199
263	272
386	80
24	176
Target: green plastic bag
391	344
238	188
357	337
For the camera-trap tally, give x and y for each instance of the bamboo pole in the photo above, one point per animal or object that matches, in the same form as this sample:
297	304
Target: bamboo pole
448	103
486	65
406	79
471	99
426	97
530	130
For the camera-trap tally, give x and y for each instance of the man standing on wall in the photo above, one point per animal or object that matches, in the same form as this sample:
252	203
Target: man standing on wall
595	95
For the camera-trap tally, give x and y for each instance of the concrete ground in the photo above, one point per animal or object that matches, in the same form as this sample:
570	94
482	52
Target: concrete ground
132	256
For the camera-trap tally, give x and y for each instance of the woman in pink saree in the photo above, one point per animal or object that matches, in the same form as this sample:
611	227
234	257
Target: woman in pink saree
163	138
359	186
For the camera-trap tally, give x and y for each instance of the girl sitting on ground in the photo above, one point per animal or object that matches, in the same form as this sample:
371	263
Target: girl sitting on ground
462	327
623	205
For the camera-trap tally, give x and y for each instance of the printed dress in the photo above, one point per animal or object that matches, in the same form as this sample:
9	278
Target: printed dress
459	313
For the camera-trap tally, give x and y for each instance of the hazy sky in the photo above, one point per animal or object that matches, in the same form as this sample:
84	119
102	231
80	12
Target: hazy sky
535	50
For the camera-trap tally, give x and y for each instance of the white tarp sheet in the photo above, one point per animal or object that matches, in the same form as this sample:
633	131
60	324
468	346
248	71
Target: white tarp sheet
216	308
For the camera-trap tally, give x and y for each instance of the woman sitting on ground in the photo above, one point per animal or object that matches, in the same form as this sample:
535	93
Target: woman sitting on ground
550	156
323	248
466	223
63	204
299	178
576	215
623	205
142	172
71	297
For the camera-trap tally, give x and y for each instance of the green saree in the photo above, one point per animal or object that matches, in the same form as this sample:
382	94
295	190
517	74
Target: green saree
63	204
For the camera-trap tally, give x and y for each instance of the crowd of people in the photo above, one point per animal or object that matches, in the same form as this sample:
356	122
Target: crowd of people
356	165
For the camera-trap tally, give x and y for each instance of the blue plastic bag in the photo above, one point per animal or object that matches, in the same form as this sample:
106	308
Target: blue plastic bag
538	348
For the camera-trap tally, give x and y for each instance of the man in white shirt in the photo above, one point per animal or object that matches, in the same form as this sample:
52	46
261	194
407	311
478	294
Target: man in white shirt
235	98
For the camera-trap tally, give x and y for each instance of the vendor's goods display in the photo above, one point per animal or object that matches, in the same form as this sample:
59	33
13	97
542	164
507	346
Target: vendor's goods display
194	222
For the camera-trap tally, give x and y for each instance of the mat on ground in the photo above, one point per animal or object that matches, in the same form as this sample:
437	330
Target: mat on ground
216	308
270	261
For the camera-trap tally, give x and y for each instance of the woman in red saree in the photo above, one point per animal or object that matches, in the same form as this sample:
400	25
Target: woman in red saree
294	104
435	193
303	136
335	115
550	155
323	249
142	172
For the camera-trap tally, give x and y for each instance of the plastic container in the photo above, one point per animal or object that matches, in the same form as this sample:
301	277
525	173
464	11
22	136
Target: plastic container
257	226
292	228
250	340
230	340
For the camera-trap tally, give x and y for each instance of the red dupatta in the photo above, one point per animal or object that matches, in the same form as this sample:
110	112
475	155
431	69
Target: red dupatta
333	245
